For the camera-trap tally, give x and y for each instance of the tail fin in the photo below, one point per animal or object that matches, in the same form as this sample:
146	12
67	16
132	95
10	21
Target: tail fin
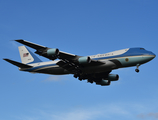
27	56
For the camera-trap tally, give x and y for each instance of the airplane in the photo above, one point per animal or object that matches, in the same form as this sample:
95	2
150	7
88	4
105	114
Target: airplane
94	68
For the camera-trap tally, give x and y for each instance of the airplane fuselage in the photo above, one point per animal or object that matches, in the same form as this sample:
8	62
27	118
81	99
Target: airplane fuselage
94	68
113	60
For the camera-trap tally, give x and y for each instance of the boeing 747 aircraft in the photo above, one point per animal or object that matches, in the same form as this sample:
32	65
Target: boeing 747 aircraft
95	68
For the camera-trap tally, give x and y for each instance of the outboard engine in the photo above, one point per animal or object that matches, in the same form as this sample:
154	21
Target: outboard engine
107	81
113	77
104	82
53	52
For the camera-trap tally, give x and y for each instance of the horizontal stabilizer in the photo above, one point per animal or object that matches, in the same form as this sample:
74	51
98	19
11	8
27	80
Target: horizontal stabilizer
21	65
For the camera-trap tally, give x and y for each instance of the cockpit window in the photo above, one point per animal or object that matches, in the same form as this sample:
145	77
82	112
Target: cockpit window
142	48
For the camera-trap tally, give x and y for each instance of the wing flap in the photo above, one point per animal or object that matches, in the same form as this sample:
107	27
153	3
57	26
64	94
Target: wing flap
68	66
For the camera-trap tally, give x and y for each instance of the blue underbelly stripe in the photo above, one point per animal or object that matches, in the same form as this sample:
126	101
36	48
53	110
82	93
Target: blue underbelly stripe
38	67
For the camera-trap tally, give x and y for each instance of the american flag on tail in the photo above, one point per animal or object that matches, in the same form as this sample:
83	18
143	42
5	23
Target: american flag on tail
25	54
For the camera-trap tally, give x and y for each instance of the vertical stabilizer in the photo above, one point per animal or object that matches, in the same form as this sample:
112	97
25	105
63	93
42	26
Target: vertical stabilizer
27	56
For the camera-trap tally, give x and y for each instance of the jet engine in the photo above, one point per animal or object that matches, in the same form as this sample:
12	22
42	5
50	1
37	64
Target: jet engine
53	52
103	82
107	81
113	77
84	60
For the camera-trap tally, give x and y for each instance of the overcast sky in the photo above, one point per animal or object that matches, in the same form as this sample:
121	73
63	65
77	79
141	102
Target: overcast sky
82	27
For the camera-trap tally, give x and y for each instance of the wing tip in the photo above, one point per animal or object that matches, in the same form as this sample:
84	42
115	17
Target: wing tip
18	40
5	59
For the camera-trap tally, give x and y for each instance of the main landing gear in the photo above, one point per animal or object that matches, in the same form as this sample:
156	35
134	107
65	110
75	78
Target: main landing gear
137	69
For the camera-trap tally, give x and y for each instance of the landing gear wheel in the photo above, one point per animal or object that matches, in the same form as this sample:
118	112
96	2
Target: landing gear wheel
137	70
75	76
80	78
90	80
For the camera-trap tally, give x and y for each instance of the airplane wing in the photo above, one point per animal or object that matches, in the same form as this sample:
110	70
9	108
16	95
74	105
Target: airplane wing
41	50
68	61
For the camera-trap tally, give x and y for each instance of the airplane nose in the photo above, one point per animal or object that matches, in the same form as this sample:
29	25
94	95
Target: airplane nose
148	57
153	55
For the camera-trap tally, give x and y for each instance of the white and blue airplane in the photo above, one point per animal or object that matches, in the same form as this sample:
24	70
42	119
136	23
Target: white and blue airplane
95	68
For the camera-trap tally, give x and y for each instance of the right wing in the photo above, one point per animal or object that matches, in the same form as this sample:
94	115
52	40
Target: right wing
42	51
68	61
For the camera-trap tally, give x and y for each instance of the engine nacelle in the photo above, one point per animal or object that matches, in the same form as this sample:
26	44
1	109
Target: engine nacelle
84	60
113	77
104	82
53	52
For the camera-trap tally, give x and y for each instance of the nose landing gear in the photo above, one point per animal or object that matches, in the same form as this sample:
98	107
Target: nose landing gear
137	69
